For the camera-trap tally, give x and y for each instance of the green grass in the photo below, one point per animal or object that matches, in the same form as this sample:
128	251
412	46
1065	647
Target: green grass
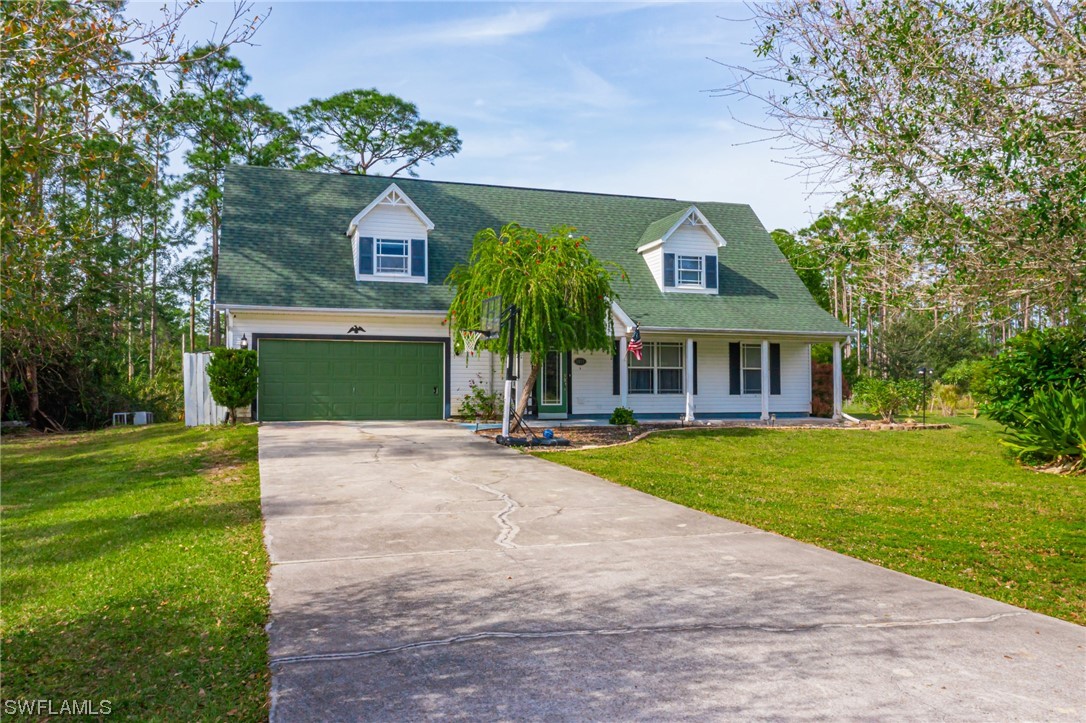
134	572
945	505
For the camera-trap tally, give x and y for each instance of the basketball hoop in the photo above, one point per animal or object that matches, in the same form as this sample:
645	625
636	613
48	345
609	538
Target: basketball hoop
471	340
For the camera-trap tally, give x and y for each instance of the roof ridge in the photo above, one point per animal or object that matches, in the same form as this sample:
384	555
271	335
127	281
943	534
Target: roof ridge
394	179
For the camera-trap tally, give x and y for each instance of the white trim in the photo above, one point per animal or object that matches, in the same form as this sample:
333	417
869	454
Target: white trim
393	188
746	332
703	222
767	380
650	246
623	317
392	278
700	284
323	310
688	372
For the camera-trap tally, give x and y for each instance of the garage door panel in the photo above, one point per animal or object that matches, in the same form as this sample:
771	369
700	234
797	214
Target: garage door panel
302	379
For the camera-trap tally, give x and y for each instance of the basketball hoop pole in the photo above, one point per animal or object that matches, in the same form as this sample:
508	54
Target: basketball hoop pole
509	377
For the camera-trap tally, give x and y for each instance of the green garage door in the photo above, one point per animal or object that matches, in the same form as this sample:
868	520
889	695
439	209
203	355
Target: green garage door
350	380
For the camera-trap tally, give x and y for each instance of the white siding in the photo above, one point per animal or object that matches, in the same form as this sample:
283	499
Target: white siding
592	383
483	368
325	323
691	241
655	261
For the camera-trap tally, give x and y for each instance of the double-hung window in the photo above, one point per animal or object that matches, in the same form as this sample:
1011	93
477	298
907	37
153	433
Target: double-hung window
690	270
392	256
752	369
659	371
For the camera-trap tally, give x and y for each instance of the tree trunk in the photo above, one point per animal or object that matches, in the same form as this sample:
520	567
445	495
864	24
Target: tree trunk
213	318
154	307
525	392
192	315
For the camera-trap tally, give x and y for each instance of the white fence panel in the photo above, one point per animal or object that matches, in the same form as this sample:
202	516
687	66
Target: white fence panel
200	408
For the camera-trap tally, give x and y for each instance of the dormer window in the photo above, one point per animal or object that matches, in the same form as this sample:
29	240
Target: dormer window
381	252
392	256
681	251
690	271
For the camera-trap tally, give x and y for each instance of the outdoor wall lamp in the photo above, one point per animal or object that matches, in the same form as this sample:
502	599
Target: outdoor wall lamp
244	342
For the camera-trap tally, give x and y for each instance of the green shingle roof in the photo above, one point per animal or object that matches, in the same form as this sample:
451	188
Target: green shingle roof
657	229
283	244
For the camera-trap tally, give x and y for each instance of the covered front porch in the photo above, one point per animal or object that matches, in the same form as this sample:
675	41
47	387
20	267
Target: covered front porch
685	377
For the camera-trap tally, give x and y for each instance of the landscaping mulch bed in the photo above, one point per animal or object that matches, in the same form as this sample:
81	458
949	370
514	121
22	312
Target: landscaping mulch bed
583	437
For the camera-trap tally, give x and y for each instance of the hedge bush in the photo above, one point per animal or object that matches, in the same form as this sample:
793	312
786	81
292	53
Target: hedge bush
1032	361
1051	428
232	378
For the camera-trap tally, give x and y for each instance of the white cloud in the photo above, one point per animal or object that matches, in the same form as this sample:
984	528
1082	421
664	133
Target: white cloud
496	29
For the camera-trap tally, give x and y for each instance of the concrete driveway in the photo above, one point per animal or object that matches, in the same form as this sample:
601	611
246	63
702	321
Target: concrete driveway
419	572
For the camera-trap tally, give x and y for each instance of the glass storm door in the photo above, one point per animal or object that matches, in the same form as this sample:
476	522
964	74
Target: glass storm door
551	387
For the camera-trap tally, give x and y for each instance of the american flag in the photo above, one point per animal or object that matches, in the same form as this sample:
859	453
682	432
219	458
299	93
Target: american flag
635	345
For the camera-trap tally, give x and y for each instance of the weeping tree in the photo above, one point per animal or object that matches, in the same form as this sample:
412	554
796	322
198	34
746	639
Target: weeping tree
562	292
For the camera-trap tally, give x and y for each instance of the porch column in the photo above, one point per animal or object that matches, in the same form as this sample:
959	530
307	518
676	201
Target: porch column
837	390
765	380
688	385
623	374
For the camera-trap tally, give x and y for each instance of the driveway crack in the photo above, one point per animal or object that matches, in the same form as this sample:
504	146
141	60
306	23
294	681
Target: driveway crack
485	635
507	528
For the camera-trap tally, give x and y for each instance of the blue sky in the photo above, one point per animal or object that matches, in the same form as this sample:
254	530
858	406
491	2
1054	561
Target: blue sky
604	97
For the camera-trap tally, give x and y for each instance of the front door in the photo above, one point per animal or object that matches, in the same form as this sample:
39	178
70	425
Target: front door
551	390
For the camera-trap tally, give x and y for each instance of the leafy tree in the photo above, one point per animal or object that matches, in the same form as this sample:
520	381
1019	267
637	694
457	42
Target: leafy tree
964	117
79	199
806	263
232	376
223	126
913	340
365	128
1032	361
563	294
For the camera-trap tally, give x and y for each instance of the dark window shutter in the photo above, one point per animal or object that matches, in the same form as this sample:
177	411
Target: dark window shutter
694	363
710	272
365	255
669	270
774	368
615	386
734	352
418	257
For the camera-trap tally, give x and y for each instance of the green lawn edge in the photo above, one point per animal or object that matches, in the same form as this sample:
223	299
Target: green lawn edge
948	506
134	572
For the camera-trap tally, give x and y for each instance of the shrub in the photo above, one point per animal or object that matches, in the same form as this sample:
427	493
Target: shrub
479	403
232	378
887	397
622	415
1035	360
822	388
945	397
970	377
1051	428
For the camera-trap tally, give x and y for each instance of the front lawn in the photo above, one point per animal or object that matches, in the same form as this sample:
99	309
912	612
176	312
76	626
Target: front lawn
134	572
945	505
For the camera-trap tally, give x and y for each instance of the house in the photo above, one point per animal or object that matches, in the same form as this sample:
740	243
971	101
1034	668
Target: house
338	282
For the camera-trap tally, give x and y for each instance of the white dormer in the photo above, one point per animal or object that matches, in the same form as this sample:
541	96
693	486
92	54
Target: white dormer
390	239
681	252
